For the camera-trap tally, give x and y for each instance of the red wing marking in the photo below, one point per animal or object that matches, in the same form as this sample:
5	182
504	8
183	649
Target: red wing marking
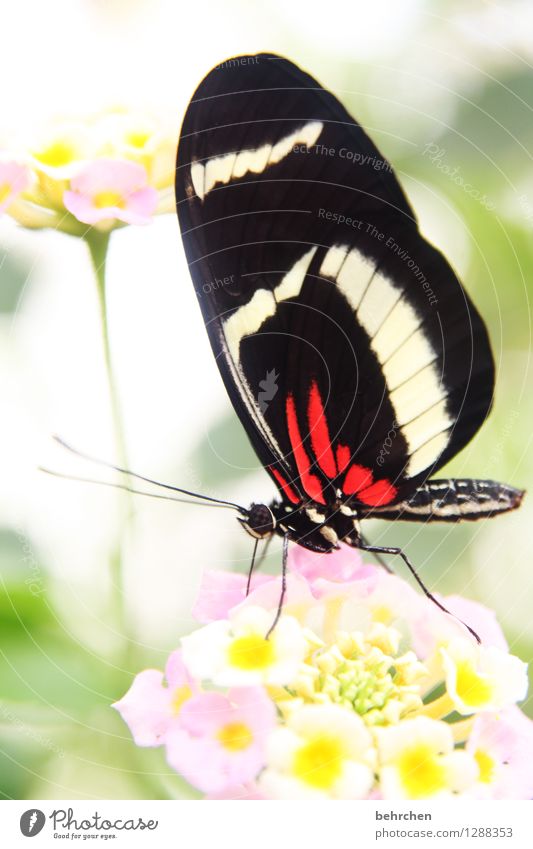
357	477
381	492
320	438
311	483
285	486
343	457
358	480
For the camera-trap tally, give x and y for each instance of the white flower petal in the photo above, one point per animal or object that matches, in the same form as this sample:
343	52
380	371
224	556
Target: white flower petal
280	747
462	770
393	740
277	785
207	652
355	782
204	650
330	719
480	678
324	753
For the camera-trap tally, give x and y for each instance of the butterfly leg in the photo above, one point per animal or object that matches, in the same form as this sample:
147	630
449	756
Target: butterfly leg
378	556
251	569
379	549
283	584
253	564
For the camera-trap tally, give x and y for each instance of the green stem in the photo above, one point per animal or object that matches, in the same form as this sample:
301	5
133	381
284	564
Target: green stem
98	244
152	786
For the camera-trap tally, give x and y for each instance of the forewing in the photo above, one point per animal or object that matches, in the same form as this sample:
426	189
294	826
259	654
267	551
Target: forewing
354	358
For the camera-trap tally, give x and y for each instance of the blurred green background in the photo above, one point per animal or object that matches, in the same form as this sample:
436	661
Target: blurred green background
446	92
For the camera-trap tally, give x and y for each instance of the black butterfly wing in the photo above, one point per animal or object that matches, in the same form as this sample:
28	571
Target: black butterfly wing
353	356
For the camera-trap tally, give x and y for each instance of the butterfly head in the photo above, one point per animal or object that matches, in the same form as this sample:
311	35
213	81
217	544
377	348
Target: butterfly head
259	522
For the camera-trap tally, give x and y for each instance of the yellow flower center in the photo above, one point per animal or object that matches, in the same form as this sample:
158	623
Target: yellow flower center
251	652
487	766
319	762
57	154
421	772
137	138
382	614
179	697
103	200
472	688
235	736
5	191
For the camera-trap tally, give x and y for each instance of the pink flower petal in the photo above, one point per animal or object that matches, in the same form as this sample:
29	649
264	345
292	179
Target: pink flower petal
197	751
314	575
433	627
198	759
332	574
145	708
208	712
362	587
253	704
242	793
150	708
220	592
346	564
508	738
102	175
141	206
176	672
205	713
482	619
267	595
14	179
111	189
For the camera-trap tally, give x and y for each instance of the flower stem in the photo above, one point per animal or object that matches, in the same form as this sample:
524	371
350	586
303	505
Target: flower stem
98	244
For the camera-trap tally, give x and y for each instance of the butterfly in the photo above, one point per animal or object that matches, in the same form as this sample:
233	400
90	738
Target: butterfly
350	350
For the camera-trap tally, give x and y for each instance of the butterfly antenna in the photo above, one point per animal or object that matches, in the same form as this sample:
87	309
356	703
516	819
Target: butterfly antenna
122	486
105	464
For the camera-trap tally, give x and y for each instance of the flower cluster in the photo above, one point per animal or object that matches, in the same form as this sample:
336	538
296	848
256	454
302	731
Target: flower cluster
112	169
364	690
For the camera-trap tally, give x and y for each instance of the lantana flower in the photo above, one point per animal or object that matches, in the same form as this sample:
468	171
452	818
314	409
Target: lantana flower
105	170
109	190
220	740
480	678
14	179
430	632
322	752
418	761
502	745
363	691
151	707
236	652
62	149
138	137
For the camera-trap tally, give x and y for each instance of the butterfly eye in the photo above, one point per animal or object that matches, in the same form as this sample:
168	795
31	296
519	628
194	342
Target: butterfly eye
260	521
